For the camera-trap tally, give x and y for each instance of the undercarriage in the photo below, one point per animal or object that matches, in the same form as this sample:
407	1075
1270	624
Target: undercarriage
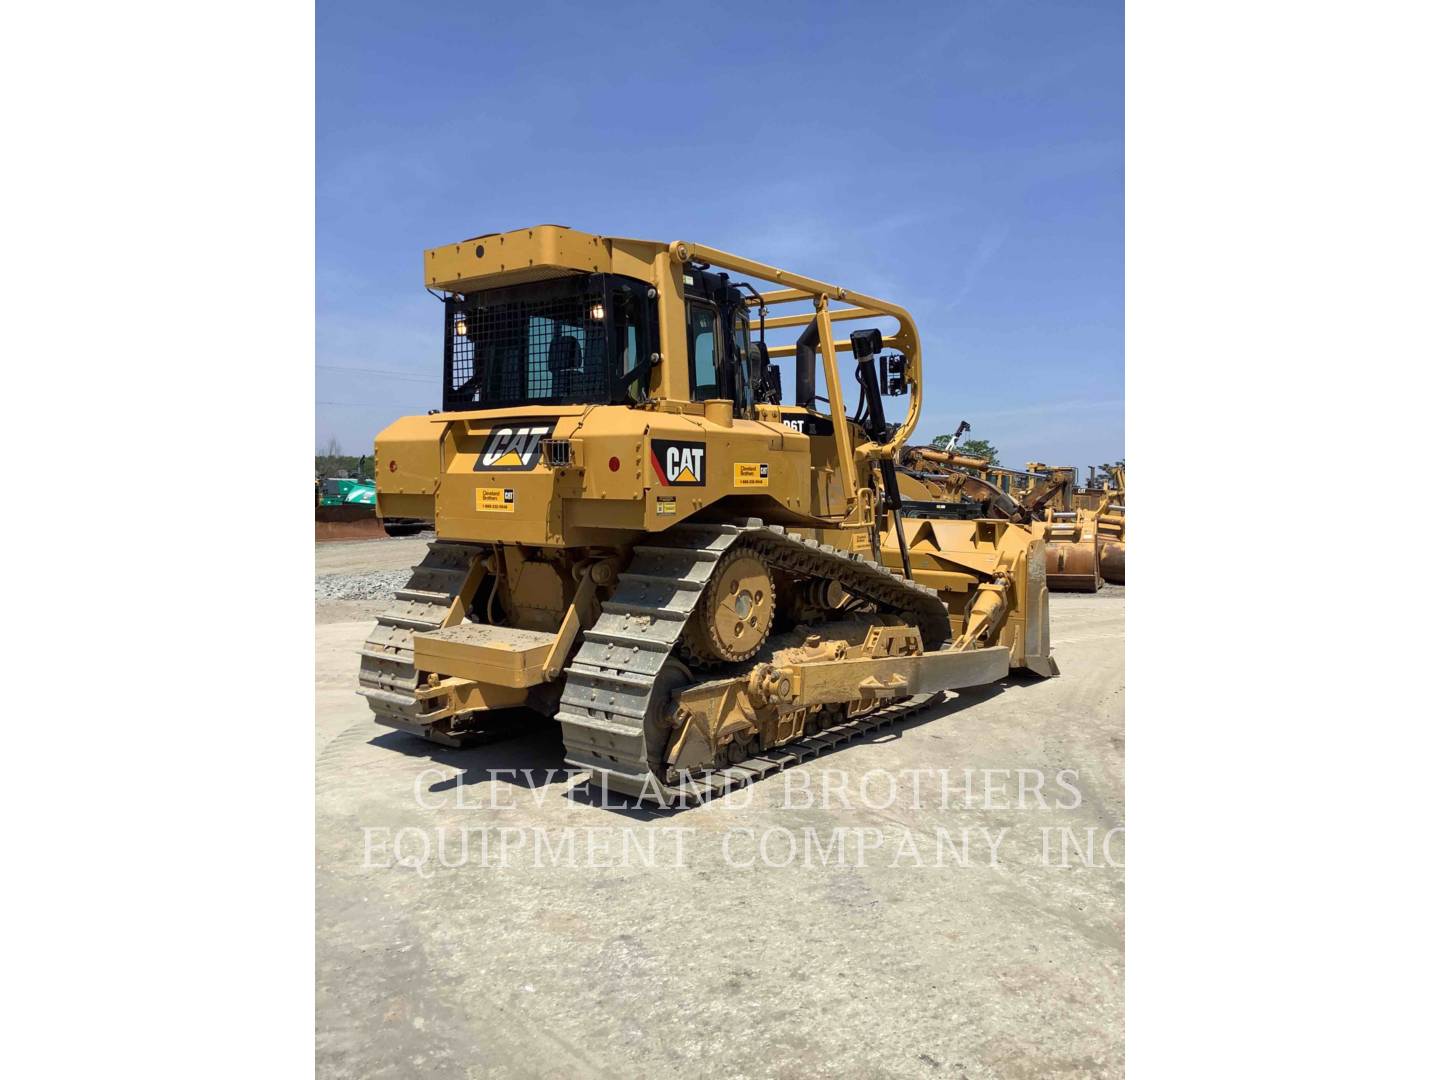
716	647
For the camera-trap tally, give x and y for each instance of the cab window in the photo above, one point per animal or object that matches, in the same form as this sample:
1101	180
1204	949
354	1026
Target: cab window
627	317
704	381
744	376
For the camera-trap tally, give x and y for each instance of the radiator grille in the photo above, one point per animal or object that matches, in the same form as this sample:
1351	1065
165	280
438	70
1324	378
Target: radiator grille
556	453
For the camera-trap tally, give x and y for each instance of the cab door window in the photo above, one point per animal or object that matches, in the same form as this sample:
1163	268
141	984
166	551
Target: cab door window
745	376
627	325
704	368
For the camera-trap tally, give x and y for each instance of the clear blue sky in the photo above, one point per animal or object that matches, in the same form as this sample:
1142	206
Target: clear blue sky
963	159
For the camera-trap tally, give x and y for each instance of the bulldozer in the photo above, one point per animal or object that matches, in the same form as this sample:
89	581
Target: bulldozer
638	535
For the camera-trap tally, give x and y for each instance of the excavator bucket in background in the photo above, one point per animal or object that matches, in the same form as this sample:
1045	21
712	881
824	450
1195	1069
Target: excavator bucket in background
1112	561
1072	548
1072	552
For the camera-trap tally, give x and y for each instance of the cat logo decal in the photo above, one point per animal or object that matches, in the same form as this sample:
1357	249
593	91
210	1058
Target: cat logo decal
514	447
678	464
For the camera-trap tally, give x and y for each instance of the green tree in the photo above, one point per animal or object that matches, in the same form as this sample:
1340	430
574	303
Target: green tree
333	461
973	447
980	448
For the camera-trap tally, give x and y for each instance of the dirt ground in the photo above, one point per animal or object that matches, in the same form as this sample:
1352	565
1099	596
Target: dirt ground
862	915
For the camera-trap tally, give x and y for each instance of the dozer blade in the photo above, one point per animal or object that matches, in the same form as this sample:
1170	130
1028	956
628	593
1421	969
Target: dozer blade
347	523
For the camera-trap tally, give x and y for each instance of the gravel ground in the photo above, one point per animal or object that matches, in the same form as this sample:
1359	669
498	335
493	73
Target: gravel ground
373	585
1006	966
1108	592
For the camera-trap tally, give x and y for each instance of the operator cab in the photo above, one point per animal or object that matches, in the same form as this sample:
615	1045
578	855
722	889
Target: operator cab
588	339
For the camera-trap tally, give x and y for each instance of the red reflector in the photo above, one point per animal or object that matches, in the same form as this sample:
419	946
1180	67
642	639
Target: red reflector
392	466
614	464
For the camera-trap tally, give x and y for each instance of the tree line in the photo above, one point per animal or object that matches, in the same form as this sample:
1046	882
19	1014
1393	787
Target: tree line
333	461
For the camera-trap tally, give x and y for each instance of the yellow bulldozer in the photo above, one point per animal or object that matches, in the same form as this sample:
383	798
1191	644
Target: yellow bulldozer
702	582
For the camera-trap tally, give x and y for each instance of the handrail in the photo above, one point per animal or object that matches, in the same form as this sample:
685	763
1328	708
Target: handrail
800	287
835	316
843	345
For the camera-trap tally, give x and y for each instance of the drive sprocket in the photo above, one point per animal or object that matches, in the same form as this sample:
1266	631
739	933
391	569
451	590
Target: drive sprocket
735	614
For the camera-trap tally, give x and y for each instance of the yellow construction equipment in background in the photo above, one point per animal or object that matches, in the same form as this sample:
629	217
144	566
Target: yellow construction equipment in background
1085	529
1110	523
638	535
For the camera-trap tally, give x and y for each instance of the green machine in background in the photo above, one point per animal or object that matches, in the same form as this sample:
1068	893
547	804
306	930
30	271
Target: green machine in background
345	510
343	491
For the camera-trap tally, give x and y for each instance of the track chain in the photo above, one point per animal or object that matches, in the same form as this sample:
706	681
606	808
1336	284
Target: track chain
387	660
611	692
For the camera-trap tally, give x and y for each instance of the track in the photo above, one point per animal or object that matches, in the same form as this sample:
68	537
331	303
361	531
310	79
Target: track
614	700
387	661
